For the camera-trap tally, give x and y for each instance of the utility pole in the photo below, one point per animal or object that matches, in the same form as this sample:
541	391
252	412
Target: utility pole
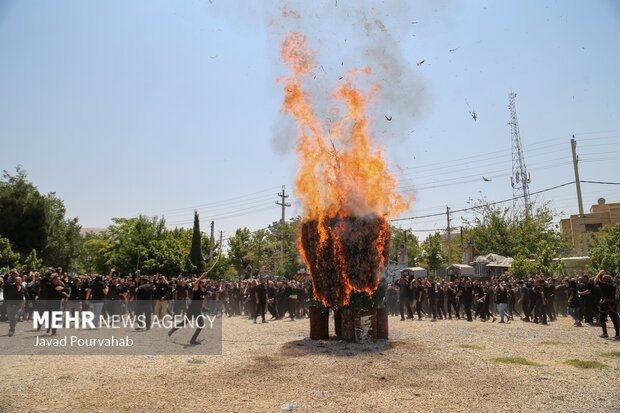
449	236
406	260
584	239
463	261
284	204
212	240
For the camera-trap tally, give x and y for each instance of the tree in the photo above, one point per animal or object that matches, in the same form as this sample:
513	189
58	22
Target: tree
605	251
133	237
239	245
31	262
292	261
8	258
497	230
522	267
414	252
31	220
432	252
95	253
196	256
24	219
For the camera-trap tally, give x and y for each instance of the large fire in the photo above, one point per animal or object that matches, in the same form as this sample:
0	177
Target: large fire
343	182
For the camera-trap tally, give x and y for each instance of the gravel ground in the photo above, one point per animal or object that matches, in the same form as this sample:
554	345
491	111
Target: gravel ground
423	367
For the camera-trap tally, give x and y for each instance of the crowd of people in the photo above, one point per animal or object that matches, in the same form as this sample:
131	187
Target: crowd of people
538	299
148	295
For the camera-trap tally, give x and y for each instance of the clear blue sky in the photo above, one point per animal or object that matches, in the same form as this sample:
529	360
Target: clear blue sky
161	107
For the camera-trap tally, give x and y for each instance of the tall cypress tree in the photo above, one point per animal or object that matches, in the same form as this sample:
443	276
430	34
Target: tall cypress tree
195	254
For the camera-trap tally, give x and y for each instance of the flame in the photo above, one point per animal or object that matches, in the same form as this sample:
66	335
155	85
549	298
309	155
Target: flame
342	173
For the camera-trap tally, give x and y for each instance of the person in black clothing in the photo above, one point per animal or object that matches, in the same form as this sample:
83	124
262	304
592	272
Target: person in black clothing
441	308
114	297
418	290
403	297
13	296
524	300
392	299
75	296
539	303
57	293
96	296
260	295
282	299
501	295
573	302
143	295
451	291
478	292
467	294
195	308
161	294
483	305
432	296
586	296
272	300
549	290
608	303
181	296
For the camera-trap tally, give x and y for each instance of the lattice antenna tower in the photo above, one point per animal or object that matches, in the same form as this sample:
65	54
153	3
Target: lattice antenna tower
520	179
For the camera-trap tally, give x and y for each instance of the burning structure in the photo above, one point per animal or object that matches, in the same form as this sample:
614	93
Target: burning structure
343	182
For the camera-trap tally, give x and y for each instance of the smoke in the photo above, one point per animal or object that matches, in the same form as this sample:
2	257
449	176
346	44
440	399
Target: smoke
354	34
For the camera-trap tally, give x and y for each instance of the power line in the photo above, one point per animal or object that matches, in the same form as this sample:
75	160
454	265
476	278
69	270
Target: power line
482	205
600	182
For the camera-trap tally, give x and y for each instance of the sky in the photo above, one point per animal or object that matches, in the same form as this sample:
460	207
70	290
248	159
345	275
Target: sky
166	107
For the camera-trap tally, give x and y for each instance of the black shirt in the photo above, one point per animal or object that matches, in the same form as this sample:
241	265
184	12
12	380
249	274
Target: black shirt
261	291
144	292
11	289
608	290
161	290
431	290
96	291
502	296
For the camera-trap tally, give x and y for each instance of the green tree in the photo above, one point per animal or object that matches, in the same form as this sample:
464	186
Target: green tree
414	251
24	219
239	249
133	237
31	220
95	253
170	253
196	256
522	267
605	250
432	253
259	249
8	258
496	230
292	261
31	262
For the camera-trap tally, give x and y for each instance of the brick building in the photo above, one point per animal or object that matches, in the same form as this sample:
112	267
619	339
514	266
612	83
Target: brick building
600	214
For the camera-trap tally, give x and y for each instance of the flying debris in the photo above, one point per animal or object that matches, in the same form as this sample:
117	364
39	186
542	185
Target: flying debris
471	111
389	118
486	179
212	57
420	62
453	50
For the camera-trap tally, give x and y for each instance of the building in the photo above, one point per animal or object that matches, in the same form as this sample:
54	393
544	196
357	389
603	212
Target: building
600	214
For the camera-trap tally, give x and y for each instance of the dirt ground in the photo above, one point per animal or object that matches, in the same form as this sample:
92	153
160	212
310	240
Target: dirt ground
425	366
